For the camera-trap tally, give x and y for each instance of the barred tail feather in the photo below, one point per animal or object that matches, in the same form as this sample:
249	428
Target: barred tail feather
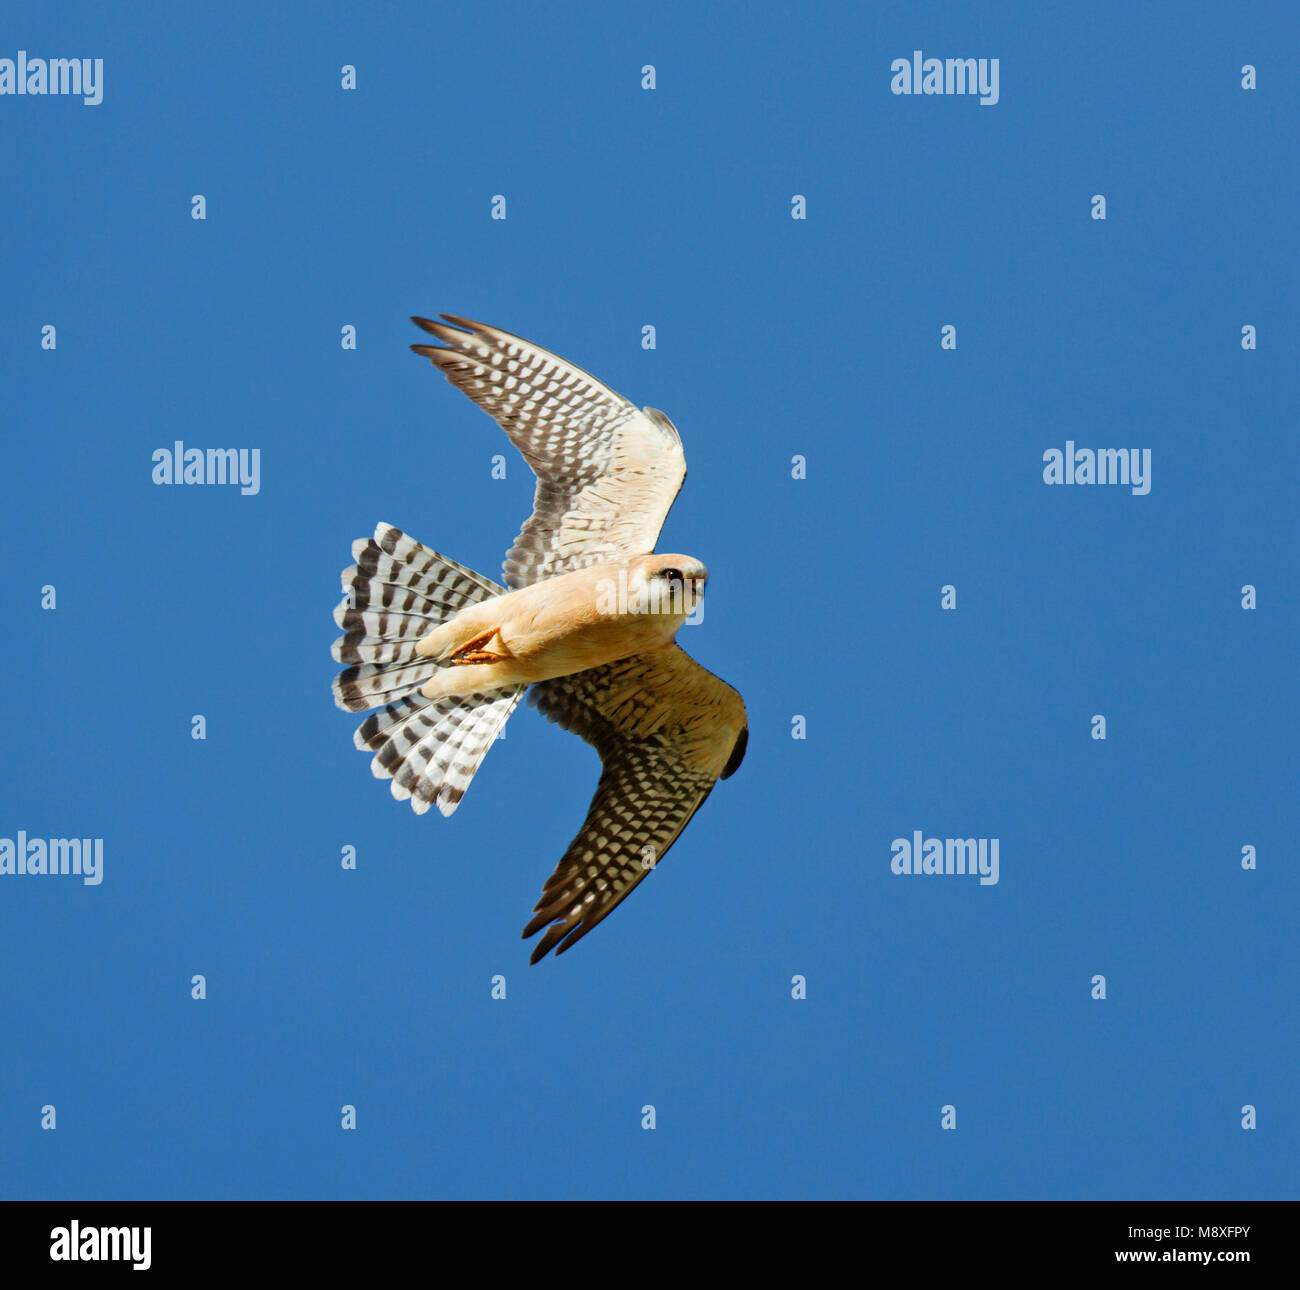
395	593
431	748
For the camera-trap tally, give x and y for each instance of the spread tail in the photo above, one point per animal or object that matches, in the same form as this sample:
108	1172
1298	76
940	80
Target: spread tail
395	592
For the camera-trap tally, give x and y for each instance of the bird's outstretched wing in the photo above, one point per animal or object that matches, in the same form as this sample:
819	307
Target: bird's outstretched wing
607	472
666	730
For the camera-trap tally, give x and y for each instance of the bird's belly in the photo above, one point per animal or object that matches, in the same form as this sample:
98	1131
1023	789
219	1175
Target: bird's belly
543	650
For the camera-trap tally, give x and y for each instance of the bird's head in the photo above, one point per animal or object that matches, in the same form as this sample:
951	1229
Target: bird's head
667	586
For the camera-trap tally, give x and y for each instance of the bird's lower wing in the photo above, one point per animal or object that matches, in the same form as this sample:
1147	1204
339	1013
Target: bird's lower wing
666	730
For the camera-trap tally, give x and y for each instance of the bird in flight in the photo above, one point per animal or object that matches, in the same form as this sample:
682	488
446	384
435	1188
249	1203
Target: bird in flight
586	623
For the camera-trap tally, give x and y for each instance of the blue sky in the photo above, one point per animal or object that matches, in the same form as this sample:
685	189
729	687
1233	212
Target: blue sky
776	338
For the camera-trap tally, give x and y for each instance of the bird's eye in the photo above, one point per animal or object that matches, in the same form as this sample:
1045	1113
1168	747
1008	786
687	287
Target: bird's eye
673	575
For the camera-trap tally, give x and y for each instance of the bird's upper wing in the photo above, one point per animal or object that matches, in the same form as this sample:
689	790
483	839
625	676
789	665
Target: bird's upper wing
666	730
607	472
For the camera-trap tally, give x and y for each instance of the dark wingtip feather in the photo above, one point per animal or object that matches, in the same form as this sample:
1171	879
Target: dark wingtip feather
737	754
556	932
465	324
575	934
535	925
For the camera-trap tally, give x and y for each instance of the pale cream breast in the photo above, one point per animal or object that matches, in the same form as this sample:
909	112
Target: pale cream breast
562	625
574	622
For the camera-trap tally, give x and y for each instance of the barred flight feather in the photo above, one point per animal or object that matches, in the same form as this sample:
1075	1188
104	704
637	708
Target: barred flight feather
666	730
607	471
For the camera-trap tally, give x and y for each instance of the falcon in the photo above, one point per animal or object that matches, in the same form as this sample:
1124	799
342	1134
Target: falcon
586	623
